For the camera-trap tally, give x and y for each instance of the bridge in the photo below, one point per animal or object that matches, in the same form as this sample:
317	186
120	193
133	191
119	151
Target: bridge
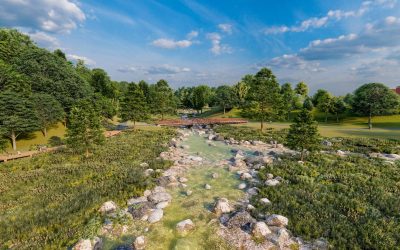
200	122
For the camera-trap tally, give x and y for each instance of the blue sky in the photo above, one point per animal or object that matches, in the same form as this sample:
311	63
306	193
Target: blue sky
336	45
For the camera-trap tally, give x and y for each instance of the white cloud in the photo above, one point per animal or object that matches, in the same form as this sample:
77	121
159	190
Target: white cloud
43	39
171	44
335	15
164	69
217	48
225	27
75	58
58	16
192	34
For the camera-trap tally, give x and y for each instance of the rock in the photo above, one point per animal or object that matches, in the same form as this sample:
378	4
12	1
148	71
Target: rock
185	226
148	171
156	216
184	147
195	158
134	201
97	243
159	189
260	229
182	185
282	237
222	206
139	243
327	143
162	205
146	193
270	176
140	210
277	220
272	182
242	186
160	197
108	207
241	220
211	137
188	192
265	201
239	163
173	143
215	175
250	207
219	138
252	191
246	176
84	244
183	179
144	164
207	186
267	160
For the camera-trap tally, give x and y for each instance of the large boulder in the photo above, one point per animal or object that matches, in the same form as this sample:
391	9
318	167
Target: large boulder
108	207
156	215
138	200
260	229
139	243
159	197
222	206
241	220
84	244
185	226
140	210
282	237
277	220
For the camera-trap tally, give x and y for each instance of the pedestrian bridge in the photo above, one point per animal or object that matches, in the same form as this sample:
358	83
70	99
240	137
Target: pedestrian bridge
200	122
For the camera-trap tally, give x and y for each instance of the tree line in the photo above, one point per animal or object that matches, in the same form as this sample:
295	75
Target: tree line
39	89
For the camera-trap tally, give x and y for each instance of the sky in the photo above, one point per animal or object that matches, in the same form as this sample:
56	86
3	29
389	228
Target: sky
336	45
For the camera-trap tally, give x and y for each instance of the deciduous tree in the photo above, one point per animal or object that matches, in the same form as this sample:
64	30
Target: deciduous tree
225	97
48	109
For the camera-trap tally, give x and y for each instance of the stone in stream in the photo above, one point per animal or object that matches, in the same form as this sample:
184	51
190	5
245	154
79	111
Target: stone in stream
185	226
277	220
139	243
156	216
260	229
242	186
222	206
108	207
207	186
246	176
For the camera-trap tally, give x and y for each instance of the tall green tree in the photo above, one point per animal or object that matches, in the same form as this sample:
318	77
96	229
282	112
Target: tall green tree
303	134
226	97
17	116
49	111
302	89
134	106
374	99
162	99
84	131
264	98
338	107
102	84
200	97
241	89
308	104
288	99
323	100
12	80
144	86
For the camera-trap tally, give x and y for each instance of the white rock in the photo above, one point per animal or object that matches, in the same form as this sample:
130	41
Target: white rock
272	182
277	220
282	237
159	197
265	201
207	186
139	243
144	164
156	216
84	244
250	207
146	193
252	191
138	200
270	176
246	176
162	204
215	175
260	229
185	226
222	206
188	192
183	179
108	207
242	186
159	189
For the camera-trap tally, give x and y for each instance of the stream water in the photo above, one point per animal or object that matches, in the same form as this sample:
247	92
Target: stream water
197	206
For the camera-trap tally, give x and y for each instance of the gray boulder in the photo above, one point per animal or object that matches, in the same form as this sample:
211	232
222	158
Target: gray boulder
160	197
156	216
185	226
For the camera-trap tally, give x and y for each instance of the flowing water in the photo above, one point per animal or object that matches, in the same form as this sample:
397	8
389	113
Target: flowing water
197	206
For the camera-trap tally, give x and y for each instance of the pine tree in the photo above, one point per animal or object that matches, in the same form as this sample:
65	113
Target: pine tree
84	130
303	134
134	106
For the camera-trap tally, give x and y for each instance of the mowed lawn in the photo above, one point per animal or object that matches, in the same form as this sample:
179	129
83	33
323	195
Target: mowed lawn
383	126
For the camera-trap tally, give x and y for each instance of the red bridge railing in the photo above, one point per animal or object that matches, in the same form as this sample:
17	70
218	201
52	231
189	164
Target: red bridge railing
200	121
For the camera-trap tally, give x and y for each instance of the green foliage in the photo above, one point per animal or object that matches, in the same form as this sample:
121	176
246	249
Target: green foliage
11	80
303	134
105	106
323	100
308	104
134	106
354	202
17	115
225	97
48	109
200	97
264	99
374	99
51	201
365	145
301	89
162	99
338	107
288	99
102	84
241	89
84	130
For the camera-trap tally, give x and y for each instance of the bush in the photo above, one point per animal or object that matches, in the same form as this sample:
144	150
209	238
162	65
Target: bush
354	202
55	141
50	201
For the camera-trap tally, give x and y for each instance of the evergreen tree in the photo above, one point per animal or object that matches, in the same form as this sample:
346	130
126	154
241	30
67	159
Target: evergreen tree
303	134
134	106
49	111
287	99
17	116
264	98
162	99
84	131
307	104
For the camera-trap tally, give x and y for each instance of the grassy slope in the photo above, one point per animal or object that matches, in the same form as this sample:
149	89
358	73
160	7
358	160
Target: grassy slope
51	200
384	126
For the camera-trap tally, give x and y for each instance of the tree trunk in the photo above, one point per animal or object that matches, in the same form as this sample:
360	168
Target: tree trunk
14	140
44	132
326	116
87	153
337	117
302	155
262	125
162	116
134	125
288	116
370	121
224	110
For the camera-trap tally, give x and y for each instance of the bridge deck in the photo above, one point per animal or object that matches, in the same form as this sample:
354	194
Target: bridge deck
200	121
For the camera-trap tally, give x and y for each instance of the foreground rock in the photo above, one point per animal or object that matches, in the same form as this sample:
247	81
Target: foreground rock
160	197
222	206
185	226
260	229
108	207
139	243
155	216
86	244
277	220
